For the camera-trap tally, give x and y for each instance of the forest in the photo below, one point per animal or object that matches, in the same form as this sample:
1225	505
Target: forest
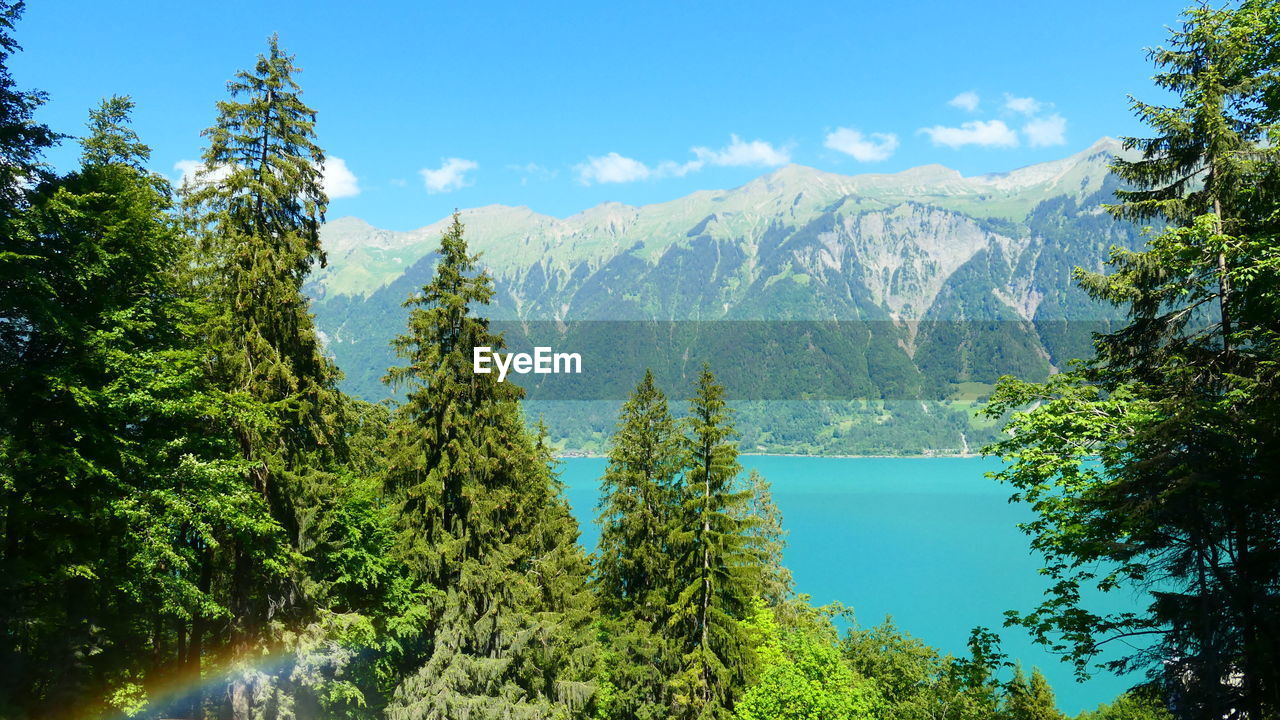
196	523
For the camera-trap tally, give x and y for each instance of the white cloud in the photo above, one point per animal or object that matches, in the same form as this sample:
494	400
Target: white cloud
187	170
741	154
194	172
1046	131
965	101
612	168
984	133
532	171
451	175
1024	105
339	181
615	168
863	148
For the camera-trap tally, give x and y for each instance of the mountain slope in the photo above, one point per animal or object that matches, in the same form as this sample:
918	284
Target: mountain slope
940	282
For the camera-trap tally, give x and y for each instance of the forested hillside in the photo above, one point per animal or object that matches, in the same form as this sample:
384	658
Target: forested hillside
922	288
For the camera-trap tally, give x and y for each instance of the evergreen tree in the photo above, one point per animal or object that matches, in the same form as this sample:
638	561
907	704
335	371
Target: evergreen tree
638	507
257	209
768	538
716	566
1155	462
482	525
636	503
1203	161
1030	699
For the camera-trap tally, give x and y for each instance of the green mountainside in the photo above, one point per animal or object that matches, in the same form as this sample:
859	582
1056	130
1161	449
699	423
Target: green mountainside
947	281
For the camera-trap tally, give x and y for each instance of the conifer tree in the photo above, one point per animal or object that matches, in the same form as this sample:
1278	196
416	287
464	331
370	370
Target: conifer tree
768	539
716	565
1030	698
638	507
636	503
1206	155
482	525
256	208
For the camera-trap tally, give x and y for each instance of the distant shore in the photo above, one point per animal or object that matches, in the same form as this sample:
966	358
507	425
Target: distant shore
574	454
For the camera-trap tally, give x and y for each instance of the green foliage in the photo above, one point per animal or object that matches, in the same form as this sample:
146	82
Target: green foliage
483	529
716	566
632	567
1152	466
637	492
801	675
1137	704
687	541
767	537
196	523
1030	698
917	682
22	139
255	212
119	480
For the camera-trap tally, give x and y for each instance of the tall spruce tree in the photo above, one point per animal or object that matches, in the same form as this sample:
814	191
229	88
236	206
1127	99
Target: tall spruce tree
768	538
257	208
716	564
638	507
482	525
1154	465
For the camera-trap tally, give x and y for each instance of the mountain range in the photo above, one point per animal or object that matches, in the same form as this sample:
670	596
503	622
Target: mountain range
947	281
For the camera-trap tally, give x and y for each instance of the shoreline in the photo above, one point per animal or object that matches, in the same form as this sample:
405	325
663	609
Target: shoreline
572	455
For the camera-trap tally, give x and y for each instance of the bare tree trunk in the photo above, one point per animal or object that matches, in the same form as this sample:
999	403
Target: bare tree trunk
706	573
1224	286
195	646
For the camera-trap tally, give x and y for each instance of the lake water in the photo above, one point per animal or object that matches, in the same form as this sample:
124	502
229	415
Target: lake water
930	541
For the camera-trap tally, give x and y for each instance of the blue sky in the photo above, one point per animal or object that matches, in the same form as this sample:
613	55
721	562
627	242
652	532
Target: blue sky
561	106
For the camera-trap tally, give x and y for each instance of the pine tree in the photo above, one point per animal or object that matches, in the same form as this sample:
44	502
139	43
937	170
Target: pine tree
1206	155
1029	699
636	502
638	507
768	539
257	208
482	525
717	569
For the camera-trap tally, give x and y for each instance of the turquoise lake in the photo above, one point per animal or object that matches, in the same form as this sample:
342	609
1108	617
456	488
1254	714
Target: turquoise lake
930	541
